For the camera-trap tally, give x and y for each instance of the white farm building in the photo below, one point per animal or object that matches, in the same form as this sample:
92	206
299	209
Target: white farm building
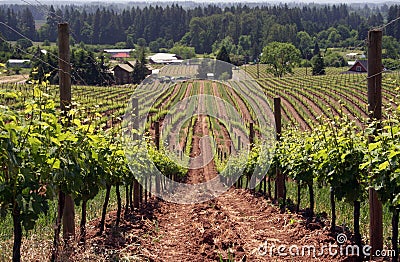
164	58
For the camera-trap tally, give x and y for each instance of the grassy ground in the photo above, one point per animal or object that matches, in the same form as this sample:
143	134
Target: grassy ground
42	234
344	210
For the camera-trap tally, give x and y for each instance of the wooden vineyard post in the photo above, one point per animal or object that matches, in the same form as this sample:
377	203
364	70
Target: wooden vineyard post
375	113
65	209
65	102
258	68
157	142
136	187
280	181
251	136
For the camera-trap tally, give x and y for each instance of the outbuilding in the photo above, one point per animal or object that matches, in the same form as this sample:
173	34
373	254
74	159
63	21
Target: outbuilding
22	63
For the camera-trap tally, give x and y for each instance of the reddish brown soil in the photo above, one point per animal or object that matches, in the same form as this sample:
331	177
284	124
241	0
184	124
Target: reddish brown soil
243	108
208	172
233	225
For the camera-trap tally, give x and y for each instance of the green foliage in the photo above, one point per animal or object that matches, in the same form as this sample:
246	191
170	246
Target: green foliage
334	59
223	55
391	47
46	42
202	27
183	51
391	64
318	65
141	42
305	44
316	50
227	43
140	70
24	43
27	143
383	158
281	58
164	163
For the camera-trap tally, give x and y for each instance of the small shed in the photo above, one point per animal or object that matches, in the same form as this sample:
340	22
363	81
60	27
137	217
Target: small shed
123	74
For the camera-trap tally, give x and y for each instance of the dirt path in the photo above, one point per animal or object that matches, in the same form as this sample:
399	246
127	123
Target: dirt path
201	154
233	225
13	79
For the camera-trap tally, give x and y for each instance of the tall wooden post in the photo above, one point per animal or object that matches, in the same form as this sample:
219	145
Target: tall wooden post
64	72
251	136
375	113
258	68
136	187
157	134
65	102
157	142
280	180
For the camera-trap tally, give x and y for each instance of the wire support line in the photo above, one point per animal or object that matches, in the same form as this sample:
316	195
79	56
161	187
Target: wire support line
41	60
47	10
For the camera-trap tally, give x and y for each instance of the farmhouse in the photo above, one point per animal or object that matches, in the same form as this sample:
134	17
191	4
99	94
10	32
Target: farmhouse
123	74
164	58
359	66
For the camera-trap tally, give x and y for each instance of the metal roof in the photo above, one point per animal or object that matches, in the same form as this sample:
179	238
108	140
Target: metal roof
118	50
125	67
18	61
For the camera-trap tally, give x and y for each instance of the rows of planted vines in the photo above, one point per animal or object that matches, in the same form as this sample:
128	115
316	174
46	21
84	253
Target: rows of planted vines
179	100
109	102
44	152
261	72
304	99
179	70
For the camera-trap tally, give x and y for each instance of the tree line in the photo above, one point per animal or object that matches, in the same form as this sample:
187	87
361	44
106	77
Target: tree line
246	28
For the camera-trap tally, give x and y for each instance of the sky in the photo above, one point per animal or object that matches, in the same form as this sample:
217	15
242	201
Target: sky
202	1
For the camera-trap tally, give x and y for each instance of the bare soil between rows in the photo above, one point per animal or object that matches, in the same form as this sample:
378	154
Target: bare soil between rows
233	227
